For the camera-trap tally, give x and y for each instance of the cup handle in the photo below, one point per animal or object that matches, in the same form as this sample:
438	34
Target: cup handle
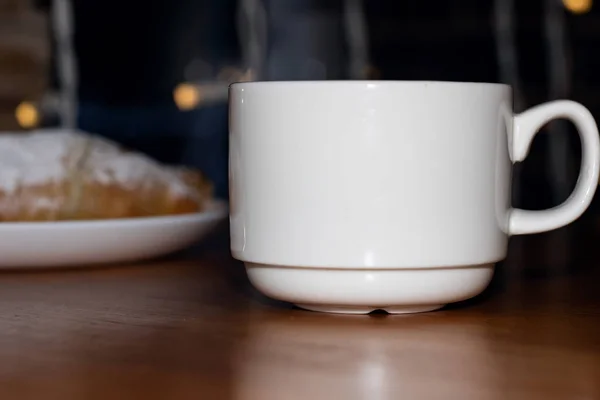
525	127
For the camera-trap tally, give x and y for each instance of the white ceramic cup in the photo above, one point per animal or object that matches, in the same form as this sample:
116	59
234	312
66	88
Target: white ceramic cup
350	196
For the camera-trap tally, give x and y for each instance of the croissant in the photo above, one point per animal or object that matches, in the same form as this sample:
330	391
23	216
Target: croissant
56	175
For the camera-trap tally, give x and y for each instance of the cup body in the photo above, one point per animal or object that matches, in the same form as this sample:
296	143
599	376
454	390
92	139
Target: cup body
367	174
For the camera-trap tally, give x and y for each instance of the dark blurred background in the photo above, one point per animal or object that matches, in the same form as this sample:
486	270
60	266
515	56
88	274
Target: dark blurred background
153	74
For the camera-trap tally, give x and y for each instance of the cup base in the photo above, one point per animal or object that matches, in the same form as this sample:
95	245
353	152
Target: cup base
413	309
361	291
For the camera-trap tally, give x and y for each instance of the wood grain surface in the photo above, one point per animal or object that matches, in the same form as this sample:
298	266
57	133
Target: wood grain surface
192	328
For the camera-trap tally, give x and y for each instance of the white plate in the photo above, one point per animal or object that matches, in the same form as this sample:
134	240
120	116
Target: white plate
81	243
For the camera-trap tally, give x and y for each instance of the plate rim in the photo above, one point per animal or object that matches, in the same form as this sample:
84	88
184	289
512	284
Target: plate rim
217	209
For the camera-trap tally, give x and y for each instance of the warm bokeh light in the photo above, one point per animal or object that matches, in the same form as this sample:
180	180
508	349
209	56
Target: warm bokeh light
248	75
371	72
578	6
229	74
187	96
27	115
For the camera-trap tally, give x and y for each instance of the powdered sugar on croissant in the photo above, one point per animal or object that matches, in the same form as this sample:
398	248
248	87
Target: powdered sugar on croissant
109	164
38	157
61	175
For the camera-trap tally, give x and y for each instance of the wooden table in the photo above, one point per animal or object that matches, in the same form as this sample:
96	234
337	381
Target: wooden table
193	328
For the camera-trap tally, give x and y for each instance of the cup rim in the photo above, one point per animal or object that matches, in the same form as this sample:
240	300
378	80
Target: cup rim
372	83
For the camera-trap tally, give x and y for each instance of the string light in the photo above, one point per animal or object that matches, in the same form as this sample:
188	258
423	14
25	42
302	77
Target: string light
66	63
559	87
578	6
252	32
27	115
187	96
355	25
507	56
